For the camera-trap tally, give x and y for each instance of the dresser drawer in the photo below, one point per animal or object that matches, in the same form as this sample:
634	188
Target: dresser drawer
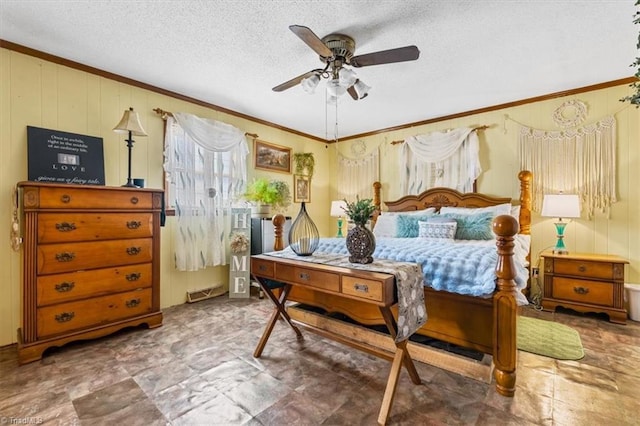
69	257
82	284
98	311
361	287
262	268
583	291
309	277
68	227
581	268
81	198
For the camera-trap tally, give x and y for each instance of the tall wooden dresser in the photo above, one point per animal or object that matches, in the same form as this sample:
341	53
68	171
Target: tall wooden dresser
91	263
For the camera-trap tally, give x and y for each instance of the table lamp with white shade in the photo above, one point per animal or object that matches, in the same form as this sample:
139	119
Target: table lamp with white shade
337	210
561	206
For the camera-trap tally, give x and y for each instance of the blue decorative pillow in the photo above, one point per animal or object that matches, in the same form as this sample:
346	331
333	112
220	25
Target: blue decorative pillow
473	226
407	225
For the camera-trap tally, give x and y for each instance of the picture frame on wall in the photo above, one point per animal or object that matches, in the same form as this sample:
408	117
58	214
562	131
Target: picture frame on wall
301	189
272	157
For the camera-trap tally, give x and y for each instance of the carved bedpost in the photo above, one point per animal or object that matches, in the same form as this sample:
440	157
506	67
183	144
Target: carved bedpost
278	221
505	307
525	177
376	202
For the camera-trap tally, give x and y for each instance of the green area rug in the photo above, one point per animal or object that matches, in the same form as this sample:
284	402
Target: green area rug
549	339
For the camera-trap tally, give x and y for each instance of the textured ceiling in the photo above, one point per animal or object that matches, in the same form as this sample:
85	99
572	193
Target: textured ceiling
474	54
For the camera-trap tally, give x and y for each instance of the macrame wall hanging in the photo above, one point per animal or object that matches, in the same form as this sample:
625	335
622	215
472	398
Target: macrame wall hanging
575	160
355	175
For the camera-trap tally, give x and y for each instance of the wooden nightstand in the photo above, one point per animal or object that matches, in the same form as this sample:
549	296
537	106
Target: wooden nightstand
585	283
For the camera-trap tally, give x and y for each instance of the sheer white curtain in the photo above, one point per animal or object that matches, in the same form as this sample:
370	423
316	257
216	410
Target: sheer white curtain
356	176
449	159
205	161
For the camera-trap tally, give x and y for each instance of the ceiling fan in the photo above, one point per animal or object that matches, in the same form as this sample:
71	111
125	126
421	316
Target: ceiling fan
336	51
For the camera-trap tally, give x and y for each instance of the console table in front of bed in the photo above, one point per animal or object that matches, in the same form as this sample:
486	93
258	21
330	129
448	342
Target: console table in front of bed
373	288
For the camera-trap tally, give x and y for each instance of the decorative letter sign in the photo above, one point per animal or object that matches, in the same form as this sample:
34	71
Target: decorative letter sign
240	248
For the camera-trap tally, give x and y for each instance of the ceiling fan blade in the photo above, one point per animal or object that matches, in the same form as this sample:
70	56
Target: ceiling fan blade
294	81
400	54
312	40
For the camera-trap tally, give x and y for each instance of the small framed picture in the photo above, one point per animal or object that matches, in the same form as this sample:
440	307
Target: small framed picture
271	157
301	189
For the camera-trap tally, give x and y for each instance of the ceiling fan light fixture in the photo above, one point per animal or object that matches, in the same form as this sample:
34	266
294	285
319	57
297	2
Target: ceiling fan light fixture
309	84
361	89
347	77
334	88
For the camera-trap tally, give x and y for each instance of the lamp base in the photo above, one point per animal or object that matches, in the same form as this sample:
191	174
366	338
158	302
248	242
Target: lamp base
130	185
560	248
339	234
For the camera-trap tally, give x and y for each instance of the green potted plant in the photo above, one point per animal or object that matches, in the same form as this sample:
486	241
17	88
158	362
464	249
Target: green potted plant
361	243
360	211
273	193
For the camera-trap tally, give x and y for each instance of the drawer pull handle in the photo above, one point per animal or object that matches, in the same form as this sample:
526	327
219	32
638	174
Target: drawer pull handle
582	268
65	257
361	287
304	276
134	276
65	227
65	316
132	303
132	251
66	199
581	290
65	287
134	224
262	268
134	200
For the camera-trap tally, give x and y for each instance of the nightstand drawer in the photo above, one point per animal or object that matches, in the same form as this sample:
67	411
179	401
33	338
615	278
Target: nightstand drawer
583	268
583	291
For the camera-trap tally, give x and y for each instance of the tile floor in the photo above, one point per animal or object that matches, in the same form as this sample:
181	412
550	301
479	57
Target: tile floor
198	369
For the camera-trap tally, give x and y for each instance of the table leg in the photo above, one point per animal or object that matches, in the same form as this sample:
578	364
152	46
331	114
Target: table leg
401	357
279	311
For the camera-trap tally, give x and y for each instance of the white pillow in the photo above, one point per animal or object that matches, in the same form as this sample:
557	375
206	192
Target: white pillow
440	230
386	224
497	210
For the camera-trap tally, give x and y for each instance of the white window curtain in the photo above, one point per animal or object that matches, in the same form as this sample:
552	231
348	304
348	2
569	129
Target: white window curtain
448	159
356	176
580	161
205	161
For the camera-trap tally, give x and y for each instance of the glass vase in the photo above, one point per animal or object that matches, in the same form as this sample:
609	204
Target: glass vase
303	235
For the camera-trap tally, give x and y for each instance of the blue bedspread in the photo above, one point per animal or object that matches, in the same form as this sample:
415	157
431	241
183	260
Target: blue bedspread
457	267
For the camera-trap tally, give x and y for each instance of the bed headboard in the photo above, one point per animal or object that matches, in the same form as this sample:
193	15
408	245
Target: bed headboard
440	197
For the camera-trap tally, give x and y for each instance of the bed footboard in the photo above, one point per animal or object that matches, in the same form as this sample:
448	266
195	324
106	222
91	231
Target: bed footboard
505	307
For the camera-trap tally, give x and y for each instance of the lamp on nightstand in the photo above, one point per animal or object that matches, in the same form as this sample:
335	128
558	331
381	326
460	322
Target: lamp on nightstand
337	210
561	206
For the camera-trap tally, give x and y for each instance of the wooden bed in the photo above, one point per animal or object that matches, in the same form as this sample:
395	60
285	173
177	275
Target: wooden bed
487	325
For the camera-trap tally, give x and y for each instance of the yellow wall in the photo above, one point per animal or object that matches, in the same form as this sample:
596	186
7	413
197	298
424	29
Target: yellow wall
42	94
